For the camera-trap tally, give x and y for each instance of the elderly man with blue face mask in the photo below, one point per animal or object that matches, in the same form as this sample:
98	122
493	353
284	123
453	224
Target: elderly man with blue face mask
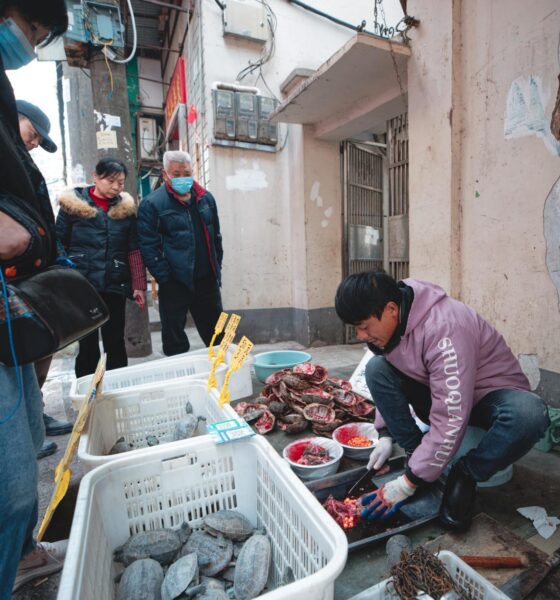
181	244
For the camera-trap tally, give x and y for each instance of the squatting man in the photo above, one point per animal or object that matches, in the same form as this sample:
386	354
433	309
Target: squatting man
439	357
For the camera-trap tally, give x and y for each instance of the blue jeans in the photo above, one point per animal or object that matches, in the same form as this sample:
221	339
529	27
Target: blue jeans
20	439
514	420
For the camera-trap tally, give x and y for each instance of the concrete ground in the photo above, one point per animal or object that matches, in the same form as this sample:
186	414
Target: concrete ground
536	479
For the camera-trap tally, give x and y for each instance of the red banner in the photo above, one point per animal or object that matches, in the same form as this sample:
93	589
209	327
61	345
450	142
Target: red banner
177	93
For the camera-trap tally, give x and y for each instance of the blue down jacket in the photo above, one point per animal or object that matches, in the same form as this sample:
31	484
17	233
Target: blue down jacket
166	235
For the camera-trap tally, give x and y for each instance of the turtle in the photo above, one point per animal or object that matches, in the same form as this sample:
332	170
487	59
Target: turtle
160	544
120	446
253	565
230	523
141	580
152	440
214	553
214	589
186	427
179	576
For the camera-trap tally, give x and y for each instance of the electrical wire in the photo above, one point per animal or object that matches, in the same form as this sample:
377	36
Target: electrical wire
360	27
123	61
105	46
13	351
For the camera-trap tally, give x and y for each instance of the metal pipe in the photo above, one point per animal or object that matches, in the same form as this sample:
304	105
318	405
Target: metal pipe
234	87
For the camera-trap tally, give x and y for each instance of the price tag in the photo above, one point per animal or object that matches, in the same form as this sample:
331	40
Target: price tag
239	357
217	330
229	431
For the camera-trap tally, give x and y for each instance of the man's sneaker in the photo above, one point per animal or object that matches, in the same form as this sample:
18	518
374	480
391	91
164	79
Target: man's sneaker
459	495
47	449
47	558
55	427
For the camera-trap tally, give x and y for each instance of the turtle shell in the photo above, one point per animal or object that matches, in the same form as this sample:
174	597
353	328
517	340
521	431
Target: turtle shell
319	413
341	383
251	569
276	377
278	408
160	544
295	382
293	423
179	576
141	580
363	408
316	394
230	523
266	422
214	553
325	429
305	369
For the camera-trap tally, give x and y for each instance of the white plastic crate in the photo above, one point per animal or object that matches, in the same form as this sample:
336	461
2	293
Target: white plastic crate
147	410
185	481
191	365
162	371
468	579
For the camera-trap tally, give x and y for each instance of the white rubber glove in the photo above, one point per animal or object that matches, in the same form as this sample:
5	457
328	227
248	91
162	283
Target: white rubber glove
383	449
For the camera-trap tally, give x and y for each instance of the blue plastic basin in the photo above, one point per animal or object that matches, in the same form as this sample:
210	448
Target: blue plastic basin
267	363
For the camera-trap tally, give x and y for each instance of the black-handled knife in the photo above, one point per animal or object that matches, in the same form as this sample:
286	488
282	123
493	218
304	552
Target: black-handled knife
365	477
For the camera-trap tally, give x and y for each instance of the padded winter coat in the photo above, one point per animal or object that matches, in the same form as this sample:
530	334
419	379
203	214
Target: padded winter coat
167	235
98	242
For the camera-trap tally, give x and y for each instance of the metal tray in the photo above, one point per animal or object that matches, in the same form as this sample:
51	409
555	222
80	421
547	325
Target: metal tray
423	507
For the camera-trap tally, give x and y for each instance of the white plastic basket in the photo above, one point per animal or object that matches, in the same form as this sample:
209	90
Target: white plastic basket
147	410
468	579
188	366
185	481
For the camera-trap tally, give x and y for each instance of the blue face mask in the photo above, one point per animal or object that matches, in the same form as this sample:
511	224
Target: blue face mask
182	185
15	49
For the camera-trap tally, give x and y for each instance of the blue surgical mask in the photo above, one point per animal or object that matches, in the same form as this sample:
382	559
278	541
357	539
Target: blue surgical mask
182	185
15	49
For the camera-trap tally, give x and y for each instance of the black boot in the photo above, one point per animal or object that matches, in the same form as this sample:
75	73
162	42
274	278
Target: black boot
55	427
459	496
47	449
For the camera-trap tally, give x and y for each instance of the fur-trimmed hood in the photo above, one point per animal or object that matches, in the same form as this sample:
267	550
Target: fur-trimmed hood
72	202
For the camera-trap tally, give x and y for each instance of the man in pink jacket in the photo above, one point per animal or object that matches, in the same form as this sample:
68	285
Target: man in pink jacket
441	358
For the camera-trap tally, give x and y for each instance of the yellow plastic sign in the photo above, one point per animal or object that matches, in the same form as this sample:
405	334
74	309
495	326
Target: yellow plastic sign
217	330
63	473
222	350
239	357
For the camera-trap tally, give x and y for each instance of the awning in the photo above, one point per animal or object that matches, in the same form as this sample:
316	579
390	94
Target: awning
356	90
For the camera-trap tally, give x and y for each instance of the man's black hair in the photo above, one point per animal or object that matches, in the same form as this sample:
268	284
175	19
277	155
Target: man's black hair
361	295
110	166
51	14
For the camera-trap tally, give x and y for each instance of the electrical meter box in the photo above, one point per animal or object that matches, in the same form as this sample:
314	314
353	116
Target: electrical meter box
224	114
247	119
267	131
96	22
245	19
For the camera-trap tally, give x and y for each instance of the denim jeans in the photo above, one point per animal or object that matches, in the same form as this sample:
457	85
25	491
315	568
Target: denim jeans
514	420
20	439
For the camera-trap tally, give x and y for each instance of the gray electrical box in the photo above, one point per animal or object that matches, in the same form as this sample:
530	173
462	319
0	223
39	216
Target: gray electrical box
224	114
247	116
95	22
267	132
245	19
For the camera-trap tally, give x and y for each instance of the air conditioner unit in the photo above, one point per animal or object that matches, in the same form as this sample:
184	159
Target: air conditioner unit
147	138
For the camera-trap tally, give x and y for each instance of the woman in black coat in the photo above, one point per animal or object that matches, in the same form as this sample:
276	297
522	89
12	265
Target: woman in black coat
97	226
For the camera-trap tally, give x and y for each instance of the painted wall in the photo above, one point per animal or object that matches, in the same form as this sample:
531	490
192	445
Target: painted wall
280	212
482	82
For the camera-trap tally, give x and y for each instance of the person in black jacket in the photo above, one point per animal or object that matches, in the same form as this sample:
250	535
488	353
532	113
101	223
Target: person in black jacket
97	226
27	245
181	243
